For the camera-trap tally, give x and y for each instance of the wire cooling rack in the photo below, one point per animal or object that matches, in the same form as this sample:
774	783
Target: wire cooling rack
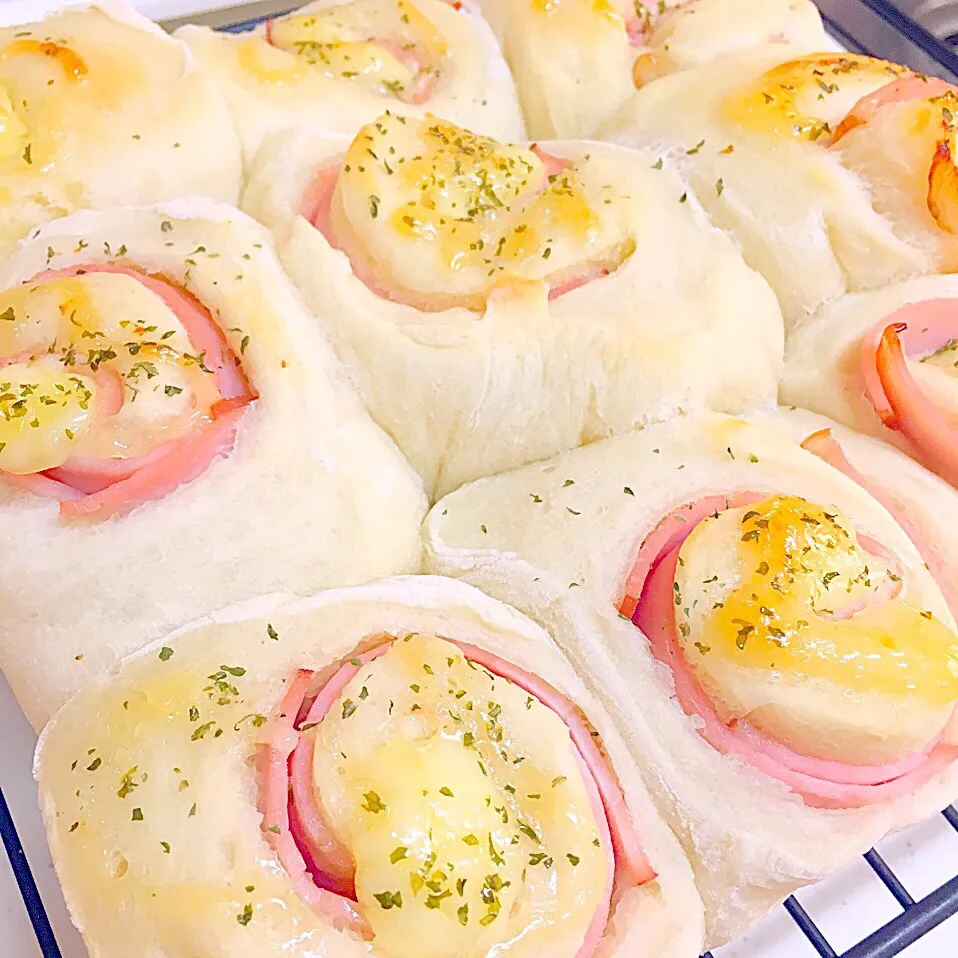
915	919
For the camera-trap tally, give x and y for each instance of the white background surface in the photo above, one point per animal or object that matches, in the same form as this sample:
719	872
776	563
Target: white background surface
846	908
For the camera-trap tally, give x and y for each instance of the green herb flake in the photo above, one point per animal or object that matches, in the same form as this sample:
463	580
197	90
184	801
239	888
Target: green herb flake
373	803
389	899
166	653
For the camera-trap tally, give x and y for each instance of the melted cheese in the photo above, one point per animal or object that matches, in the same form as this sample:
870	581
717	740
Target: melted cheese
588	14
387	47
781	594
808	98
67	343
442	216
463	804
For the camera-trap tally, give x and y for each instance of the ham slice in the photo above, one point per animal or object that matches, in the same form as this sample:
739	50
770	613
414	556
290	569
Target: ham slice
100	488
824	445
307	846
821	783
339	911
913	331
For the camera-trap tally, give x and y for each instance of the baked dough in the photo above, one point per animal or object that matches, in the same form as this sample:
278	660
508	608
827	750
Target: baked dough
100	108
165	848
515	374
311	495
558	540
577	61
330	80
754	134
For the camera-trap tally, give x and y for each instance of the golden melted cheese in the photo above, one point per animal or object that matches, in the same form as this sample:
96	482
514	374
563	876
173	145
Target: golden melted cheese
808	97
443	216
782	595
462	801
73	350
586	13
387	47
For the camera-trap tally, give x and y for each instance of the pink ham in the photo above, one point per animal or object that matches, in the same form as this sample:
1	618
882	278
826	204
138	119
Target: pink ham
824	445
306	844
914	330
95	488
336	909
332	864
821	783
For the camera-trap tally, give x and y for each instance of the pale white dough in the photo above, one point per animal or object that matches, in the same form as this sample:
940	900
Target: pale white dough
573	59
186	902
558	539
269	89
122	116
682	324
312	495
804	219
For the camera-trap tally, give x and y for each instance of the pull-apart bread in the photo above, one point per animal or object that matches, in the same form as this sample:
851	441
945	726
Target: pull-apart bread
175	435
766	634
402	769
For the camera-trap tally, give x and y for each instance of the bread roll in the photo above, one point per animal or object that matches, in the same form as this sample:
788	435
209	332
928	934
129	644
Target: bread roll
453	787
758	696
337	64
833	170
100	108
577	61
577	291
883	362
175	435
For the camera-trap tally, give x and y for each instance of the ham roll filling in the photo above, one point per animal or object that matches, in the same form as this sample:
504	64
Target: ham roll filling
908	362
894	128
824	445
115	388
435	217
427	790
387	47
793	642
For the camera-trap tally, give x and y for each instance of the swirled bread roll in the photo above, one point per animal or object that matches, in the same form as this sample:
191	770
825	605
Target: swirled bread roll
175	434
337	64
497	304
577	61
834	171
924	505
884	363
782	662
100	108
401	769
